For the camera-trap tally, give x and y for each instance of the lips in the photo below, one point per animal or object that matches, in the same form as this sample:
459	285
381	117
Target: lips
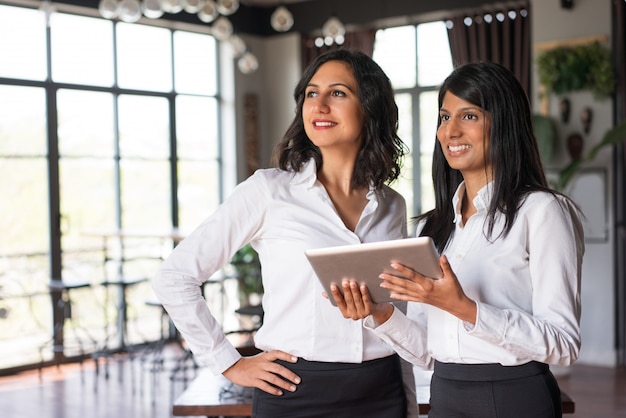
458	148
323	124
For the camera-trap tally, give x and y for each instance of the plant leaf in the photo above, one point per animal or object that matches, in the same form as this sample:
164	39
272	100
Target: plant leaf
611	137
567	173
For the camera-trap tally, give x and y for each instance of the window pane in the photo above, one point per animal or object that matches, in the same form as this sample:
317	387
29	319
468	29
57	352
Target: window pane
24	220
194	63
394	51
198	192
86	123
88	205
428	135
23	122
22	43
433	52
144	57
145	195
144	127
196	127
24	260
82	50
404	185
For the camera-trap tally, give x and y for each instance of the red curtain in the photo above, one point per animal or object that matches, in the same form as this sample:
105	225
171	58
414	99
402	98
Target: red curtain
500	35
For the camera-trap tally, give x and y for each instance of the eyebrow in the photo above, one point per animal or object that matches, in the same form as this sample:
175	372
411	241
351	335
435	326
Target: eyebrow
340	84
464	109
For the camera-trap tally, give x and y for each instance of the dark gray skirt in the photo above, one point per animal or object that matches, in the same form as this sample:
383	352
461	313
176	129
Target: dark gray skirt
372	389
494	391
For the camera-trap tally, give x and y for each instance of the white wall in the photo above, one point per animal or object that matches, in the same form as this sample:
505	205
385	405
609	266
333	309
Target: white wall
280	70
552	23
273	83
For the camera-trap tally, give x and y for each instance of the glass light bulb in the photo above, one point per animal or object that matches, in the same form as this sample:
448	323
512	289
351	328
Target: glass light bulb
172	6
129	10
222	28
227	7
248	63
209	12
282	19
151	9
333	27
238	45
108	9
193	6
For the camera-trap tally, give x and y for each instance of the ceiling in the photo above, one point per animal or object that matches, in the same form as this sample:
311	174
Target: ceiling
253	16
270	3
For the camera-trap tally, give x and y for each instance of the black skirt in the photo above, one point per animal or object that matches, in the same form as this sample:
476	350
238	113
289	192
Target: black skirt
494	391
371	389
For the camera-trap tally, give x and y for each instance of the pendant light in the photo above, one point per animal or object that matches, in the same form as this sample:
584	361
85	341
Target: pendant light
227	7
108	9
129	10
281	19
208	13
193	6
151	9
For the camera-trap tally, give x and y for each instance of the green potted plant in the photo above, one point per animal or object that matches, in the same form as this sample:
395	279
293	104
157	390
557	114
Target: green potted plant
582	67
246	264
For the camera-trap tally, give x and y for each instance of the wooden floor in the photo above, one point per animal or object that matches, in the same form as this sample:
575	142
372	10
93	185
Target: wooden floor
75	391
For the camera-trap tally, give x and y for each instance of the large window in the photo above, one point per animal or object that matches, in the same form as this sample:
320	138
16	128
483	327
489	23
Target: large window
108	150
417	59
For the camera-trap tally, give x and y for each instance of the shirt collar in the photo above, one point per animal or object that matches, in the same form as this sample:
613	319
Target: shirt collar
308	176
481	201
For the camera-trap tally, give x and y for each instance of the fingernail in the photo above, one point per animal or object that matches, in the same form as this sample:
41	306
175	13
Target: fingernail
297	380
292	388
279	392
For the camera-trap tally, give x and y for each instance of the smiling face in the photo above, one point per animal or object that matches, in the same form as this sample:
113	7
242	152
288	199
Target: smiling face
331	112
464	137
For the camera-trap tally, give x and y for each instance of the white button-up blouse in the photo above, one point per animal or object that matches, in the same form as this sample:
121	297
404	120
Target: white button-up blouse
526	287
281	214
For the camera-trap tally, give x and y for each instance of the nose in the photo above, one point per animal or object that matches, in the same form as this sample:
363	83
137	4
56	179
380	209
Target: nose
320	104
450	128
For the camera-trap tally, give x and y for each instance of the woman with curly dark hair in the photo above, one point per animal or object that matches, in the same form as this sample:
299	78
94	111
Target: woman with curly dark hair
330	188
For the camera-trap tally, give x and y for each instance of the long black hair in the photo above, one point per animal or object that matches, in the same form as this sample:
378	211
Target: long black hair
513	153
379	160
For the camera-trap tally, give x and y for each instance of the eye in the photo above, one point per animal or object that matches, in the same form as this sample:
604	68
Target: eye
444	117
311	93
338	93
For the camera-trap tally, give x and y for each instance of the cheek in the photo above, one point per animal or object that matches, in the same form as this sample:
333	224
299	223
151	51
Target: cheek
440	133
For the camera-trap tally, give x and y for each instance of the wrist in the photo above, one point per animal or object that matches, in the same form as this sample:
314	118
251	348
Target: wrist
382	314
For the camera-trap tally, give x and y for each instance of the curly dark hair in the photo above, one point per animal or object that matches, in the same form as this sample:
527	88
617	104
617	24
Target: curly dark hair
515	162
380	158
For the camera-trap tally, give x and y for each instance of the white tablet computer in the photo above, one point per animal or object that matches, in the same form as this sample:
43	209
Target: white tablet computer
365	262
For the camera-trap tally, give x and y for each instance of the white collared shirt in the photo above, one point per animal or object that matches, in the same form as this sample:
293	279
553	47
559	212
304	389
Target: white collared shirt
281	214
526	287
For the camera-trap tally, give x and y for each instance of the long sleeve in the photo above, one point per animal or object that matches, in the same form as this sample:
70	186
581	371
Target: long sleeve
205	251
549	332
